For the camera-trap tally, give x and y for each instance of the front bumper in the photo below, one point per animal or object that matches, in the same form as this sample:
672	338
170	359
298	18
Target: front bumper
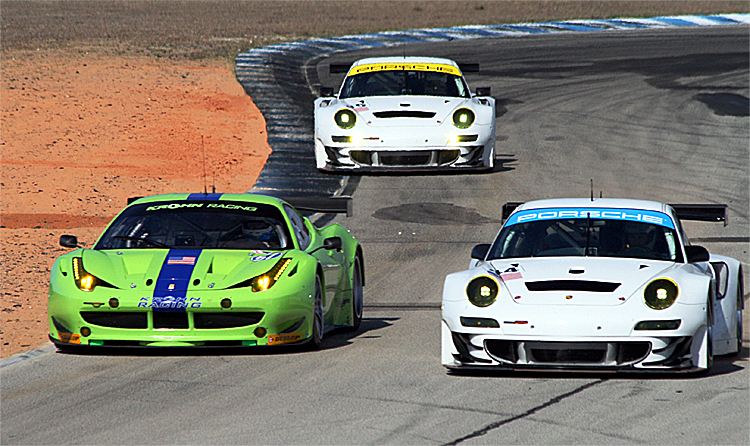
256	319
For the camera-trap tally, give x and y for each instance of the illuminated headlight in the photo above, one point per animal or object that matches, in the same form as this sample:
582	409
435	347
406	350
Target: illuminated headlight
463	118
84	280
266	280
482	291
345	118
660	294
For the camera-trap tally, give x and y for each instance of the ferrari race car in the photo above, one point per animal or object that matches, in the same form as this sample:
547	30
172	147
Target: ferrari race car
404	113
607	284
209	270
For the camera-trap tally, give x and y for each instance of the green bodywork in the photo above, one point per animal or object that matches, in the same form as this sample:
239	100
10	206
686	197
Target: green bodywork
213	303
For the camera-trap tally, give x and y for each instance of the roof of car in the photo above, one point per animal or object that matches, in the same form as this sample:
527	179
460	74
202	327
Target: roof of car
406	59
614	203
252	198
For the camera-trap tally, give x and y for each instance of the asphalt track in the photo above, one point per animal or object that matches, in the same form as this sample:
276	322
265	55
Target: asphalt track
657	114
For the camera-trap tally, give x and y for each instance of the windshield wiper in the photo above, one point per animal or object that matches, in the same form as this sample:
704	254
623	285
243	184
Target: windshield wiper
145	240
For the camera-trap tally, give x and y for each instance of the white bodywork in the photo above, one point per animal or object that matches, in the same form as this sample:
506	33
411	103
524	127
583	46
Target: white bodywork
574	322
410	129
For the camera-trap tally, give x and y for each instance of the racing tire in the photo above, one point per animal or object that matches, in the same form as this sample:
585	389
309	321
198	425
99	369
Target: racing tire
740	305
357	295
316	340
709	337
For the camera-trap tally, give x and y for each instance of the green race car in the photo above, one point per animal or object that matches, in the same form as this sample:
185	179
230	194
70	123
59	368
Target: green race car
209	269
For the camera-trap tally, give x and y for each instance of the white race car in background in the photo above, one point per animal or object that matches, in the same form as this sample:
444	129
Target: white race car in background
404	113
606	284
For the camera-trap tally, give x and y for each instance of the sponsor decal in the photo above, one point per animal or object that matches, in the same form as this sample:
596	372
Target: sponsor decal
653	217
360	106
183	260
169	302
70	338
174	206
394	66
259	256
511	276
232	207
284	338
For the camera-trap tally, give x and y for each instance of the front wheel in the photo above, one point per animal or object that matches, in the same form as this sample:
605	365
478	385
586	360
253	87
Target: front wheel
357	294
316	340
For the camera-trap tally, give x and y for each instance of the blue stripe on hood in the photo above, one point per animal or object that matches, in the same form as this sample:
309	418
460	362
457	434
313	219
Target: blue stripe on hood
202	196
170	293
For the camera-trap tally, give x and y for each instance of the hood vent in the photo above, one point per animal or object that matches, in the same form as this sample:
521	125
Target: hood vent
404	114
572	285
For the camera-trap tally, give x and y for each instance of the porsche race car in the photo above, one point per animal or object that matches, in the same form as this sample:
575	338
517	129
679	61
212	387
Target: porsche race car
606	284
404	113
209	270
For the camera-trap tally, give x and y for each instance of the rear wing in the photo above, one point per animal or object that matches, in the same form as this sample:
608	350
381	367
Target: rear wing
696	212
701	212
509	207
339	68
323	205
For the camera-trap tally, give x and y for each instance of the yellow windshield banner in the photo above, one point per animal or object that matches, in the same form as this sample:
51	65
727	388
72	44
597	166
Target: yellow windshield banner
394	66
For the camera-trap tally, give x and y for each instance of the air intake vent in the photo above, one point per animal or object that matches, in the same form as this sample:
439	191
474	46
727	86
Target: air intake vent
404	114
572	285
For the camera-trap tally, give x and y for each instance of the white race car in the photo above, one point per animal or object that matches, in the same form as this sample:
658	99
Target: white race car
404	113
606	284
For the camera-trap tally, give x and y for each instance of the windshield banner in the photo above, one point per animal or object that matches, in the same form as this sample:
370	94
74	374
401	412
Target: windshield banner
653	217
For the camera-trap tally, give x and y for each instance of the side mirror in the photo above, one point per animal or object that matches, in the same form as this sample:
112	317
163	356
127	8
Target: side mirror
332	243
326	92
484	91
69	241
479	252
696	254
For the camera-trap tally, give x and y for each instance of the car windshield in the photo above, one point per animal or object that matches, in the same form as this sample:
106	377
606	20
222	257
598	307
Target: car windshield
586	237
198	224
404	82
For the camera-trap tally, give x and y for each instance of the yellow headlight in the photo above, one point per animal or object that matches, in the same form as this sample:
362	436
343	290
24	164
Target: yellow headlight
482	291
84	281
345	118
661	294
463	118
266	280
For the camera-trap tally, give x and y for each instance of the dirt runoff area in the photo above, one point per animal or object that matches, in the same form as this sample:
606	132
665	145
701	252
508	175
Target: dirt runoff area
101	101
81	134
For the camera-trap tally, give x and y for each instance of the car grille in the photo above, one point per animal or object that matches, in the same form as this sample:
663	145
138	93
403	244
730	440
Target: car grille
118	319
404	114
405	158
572	285
226	320
171	319
567	353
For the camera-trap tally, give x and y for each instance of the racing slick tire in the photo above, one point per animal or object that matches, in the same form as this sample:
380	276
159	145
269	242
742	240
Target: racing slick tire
738	311
316	340
357	295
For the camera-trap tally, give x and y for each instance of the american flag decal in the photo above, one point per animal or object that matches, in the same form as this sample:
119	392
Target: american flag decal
182	260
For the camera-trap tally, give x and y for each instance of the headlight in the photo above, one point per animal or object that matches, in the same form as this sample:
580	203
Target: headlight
345	118
660	294
266	280
482	291
463	118
84	280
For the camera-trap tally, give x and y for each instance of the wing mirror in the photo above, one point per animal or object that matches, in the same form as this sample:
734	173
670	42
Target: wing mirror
69	241
479	252
329	244
484	91
326	92
696	254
